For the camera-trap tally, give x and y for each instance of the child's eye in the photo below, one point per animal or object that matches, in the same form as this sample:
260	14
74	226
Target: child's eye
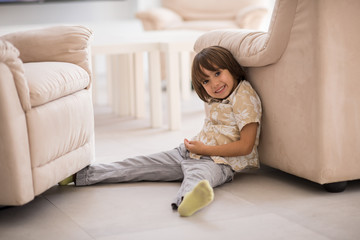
205	82
217	73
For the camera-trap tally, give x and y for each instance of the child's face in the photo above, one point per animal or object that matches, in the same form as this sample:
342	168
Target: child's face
220	83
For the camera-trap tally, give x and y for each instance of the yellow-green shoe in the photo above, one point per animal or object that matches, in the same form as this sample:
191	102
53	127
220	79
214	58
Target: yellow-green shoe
67	181
201	196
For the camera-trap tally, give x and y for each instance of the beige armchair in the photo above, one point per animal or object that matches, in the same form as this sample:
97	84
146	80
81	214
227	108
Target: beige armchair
205	15
305	69
46	112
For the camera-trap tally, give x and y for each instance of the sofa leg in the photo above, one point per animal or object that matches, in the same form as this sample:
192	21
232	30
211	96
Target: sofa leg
335	187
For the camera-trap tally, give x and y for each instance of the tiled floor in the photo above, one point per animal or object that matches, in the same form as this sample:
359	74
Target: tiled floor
263	204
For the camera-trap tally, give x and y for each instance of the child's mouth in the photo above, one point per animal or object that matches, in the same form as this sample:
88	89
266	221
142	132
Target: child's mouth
220	89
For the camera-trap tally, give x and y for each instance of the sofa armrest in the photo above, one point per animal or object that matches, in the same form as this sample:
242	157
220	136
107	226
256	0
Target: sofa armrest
254	48
251	17
158	18
60	44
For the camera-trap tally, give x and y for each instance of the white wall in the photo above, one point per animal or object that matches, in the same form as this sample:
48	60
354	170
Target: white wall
67	12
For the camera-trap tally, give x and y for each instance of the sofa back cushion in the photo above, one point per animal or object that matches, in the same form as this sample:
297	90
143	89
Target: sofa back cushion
209	9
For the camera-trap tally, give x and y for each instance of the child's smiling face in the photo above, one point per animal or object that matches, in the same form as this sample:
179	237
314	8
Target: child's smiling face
219	84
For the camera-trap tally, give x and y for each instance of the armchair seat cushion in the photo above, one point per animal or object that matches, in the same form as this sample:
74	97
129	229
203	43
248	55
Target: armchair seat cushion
49	81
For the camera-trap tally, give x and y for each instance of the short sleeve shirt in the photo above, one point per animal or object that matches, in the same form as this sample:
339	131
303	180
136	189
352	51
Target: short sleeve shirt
227	118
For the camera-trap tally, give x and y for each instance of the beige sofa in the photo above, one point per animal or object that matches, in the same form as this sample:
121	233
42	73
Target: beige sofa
305	69
205	15
46	112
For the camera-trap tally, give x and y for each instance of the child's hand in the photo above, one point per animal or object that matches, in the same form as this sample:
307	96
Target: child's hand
196	147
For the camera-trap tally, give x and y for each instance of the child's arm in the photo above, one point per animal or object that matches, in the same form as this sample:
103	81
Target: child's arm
241	147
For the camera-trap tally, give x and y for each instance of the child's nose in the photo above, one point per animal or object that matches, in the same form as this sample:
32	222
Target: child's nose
215	83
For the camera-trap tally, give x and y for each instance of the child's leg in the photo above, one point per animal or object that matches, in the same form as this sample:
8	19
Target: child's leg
194	172
164	166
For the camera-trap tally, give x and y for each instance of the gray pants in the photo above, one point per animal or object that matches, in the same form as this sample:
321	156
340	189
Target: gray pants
173	165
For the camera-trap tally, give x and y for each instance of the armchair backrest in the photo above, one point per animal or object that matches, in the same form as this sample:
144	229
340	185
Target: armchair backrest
209	9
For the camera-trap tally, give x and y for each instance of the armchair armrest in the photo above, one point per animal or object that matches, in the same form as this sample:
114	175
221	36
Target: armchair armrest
248	47
254	48
158	18
9	56
61	44
16	184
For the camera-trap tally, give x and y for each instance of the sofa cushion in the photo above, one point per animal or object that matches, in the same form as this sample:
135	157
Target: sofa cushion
204	25
52	80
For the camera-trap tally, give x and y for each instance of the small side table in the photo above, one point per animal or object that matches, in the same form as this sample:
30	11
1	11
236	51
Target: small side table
125	71
125	78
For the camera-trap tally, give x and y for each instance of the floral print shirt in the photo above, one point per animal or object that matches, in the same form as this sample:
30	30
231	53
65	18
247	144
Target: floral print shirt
227	118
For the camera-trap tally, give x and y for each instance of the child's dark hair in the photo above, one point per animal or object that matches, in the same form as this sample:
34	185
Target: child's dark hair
214	58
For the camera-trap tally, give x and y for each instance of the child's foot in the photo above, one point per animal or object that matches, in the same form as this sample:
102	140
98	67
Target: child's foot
201	196
67	180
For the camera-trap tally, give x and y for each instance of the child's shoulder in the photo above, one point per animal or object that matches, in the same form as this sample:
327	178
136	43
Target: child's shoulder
244	84
244	89
246	98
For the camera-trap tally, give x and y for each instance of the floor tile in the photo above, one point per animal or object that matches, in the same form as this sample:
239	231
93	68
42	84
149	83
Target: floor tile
259	227
334	215
39	219
117	208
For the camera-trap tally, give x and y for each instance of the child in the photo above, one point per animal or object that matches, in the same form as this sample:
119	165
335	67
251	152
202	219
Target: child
226	144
